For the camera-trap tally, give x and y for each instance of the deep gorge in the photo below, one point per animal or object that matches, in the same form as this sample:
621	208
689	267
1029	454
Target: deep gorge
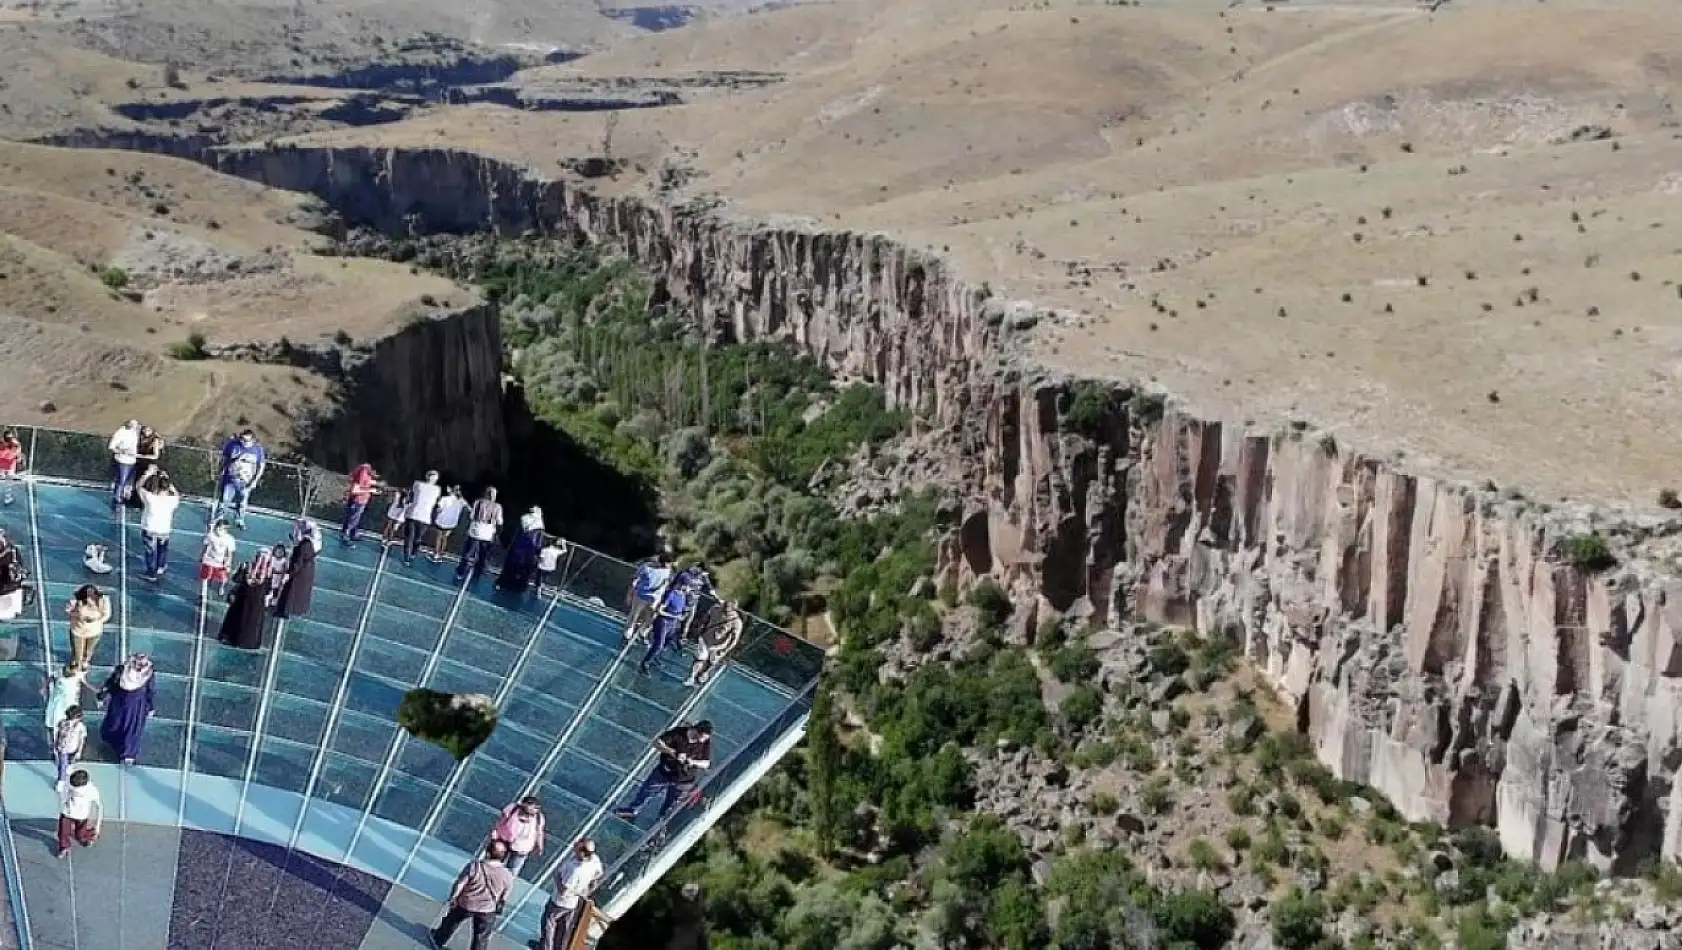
1439	641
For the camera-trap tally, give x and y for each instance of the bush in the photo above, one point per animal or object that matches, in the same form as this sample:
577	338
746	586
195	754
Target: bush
1298	921
1238	838
1669	499
193	348
1090	407
1589	552
1203	856
1082	707
1075	663
1104	803
1195	917
114	277
992	605
458	723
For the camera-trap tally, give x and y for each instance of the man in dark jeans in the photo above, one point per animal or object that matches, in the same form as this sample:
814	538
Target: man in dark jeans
479	893
684	752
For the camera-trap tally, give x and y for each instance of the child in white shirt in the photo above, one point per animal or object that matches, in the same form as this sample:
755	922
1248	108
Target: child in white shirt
395	516
68	740
548	561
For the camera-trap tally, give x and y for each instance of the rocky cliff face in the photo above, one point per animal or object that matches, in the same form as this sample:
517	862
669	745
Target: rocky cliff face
428	396
1438	642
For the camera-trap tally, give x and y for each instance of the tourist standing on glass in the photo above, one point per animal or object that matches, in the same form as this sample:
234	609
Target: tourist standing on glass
89	611
124	447
521	827
68	741
364	485
483	522
149	449
11	462
63	692
80	812
294	599
14	580
423	504
684	753
479	894
668	623
575	880
160	498
244	460
217	558
396	514
517	570
549	562
720	634
130	695
644	592
445	520
242	625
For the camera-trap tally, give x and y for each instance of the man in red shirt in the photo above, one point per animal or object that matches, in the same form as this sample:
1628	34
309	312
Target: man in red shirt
11	459
364	485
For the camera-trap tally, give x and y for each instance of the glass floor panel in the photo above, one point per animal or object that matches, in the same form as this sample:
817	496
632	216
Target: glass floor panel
313	714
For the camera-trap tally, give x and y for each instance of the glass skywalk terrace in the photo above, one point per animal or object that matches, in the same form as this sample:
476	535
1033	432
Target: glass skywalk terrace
296	749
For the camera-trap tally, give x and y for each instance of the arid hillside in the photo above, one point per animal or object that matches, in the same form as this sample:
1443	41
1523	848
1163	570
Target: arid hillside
111	263
1402	226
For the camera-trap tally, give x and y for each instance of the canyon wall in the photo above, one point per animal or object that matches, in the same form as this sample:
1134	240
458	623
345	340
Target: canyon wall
1437	643
429	395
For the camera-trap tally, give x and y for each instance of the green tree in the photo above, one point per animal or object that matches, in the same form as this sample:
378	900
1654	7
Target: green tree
823	760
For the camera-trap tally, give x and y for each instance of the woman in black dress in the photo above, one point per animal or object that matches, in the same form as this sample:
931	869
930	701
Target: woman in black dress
294	599
242	626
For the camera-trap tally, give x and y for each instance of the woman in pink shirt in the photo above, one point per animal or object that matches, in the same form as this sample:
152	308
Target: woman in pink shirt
520	826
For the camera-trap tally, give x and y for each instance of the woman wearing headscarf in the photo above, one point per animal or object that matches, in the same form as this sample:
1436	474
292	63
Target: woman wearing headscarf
522	555
242	625
129	696
294	600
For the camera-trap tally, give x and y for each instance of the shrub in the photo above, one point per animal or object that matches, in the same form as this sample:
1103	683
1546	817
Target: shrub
1203	855
1298	921
193	348
458	723
114	277
991	604
1104	803
1238	838
1669	499
1082	707
1589	552
1154	797
1075	663
1196	917
1089	409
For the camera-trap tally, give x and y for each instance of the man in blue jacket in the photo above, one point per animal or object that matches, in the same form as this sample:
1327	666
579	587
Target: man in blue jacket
243	463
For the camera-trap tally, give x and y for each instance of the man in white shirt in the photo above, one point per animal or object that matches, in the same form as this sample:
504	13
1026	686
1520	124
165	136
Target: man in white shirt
159	499
423	504
575	880
125	451
80	812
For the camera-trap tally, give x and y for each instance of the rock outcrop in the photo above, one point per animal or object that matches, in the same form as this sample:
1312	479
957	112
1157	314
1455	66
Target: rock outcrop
1439	640
429	392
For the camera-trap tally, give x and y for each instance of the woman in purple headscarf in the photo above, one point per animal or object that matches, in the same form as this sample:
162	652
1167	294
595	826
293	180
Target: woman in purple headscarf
129	697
